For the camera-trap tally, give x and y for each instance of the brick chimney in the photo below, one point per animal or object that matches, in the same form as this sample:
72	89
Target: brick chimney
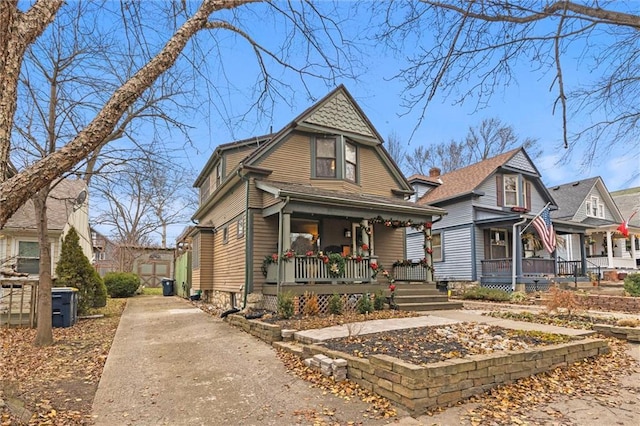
434	172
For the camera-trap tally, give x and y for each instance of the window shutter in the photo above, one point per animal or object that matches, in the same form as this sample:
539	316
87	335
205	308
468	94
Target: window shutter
500	190
528	200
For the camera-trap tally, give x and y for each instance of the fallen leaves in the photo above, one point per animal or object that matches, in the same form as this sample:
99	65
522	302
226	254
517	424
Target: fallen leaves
56	384
322	321
379	407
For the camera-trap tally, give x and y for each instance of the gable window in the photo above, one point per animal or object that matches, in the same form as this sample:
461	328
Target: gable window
436	246
28	257
218	175
326	157
512	191
204	190
240	226
351	162
594	207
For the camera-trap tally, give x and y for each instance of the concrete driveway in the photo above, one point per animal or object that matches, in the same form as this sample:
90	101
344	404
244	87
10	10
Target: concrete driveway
172	364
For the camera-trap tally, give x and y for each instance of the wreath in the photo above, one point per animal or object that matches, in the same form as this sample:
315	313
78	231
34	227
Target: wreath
335	265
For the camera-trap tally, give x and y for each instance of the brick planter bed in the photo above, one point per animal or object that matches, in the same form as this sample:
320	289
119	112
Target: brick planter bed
631	334
419	388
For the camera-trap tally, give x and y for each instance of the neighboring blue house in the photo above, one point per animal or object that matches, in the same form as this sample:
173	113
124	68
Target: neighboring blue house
588	202
486	203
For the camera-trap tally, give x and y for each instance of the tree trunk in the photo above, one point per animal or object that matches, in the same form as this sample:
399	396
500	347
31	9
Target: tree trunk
44	335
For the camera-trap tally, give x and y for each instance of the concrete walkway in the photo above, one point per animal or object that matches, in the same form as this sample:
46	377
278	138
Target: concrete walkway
172	364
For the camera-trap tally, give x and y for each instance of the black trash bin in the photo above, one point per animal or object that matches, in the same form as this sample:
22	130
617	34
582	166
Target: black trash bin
64	306
167	287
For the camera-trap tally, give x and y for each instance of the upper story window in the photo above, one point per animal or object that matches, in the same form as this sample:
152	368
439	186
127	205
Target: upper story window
218	174
515	191
326	157
351	162
204	190
594	207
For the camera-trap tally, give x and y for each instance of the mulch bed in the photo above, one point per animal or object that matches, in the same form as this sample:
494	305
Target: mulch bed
432	344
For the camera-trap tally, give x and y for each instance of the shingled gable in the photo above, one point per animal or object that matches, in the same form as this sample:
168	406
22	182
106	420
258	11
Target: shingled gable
464	181
572	195
336	112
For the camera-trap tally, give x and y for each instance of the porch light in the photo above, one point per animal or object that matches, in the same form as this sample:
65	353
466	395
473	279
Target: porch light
347	233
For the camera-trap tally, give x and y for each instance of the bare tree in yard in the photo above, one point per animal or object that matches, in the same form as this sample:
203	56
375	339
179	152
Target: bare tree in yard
396	149
488	139
302	23
470	50
80	143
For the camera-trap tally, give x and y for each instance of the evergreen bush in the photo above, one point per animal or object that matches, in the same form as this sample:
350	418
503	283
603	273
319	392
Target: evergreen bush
483	293
365	306
378	301
632	284
335	304
285	305
75	270
121	284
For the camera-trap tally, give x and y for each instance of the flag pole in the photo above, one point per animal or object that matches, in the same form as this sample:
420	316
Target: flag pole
534	218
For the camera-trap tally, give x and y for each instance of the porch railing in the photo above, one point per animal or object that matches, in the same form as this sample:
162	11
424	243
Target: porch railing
306	269
618	262
412	272
530	266
570	267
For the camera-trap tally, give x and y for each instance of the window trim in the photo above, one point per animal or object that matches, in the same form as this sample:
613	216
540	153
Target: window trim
347	162
517	190
441	245
18	257
240	227
594	201
316	157
225	234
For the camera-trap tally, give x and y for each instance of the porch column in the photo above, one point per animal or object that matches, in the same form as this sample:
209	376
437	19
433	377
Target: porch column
286	245
632	238
583	255
365	238
609	249
518	251
428	252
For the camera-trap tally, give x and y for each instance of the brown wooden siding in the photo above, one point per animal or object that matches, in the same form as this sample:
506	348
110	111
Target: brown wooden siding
195	279
229	259
232	158
388	244
255	195
205	273
265	243
291	161
375	178
230	206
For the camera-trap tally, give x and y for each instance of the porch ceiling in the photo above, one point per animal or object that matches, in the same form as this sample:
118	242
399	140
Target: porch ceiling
308	199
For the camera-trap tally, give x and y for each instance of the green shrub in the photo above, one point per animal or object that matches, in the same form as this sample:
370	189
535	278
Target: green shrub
121	284
632	284
483	293
285	305
518	297
378	301
335	304
364	305
75	270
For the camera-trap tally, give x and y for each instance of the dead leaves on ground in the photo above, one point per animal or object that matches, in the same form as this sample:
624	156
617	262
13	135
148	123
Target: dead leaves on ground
379	407
57	383
322	321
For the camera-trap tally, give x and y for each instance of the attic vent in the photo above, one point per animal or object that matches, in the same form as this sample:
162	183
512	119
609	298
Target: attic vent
575	184
556	188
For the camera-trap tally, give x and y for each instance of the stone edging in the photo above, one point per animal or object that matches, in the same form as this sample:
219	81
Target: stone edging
631	334
418	388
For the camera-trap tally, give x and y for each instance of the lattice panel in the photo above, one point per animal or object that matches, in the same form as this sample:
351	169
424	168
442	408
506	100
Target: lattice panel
496	286
270	303
532	287
349	302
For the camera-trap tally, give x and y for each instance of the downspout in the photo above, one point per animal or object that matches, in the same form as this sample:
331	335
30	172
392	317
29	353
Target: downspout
514	253
247	257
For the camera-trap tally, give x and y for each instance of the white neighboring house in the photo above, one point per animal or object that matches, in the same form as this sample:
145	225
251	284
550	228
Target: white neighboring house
589	203
628	202
67	205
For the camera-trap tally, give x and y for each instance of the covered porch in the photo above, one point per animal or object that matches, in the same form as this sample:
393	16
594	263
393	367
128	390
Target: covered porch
327	238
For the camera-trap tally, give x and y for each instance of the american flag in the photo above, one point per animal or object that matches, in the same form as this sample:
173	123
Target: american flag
543	225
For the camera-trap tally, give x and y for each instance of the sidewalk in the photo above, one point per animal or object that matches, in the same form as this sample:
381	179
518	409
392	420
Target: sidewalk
172	364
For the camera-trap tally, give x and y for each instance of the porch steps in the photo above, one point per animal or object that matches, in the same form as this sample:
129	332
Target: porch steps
422	297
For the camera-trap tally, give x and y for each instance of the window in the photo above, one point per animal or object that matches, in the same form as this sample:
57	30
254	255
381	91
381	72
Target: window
28	257
225	235
218	175
326	158
436	246
240	226
511	190
594	207
351	162
101	255
499	244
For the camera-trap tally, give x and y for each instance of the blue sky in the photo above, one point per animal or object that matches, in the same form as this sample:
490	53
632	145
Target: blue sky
526	105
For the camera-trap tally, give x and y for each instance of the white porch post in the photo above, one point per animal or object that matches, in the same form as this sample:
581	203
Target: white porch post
428	247
286	245
632	237
609	249
365	238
